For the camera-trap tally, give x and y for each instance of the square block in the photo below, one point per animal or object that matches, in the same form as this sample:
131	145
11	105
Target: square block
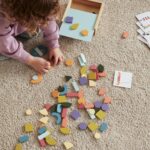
93	126
69	19
101	114
28	127
61	99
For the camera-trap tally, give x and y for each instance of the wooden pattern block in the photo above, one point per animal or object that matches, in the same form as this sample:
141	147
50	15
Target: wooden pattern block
28	112
38	79
43	112
107	100
44	120
47	106
81	101
102	74
18	146
84	32
93	126
81	106
91	113
75	86
42	143
72	94
42	130
83	70
23	138
44	135
65	131
97	135
62	99
69	62
64	112
28	127
125	34
74	26
68	145
64	122
57	116
102	91
55	93
50	141
92	75
89	105
92	83
59	108
101	114
64	92
103	127
93	68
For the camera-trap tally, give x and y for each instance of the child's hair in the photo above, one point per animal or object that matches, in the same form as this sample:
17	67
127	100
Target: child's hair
30	13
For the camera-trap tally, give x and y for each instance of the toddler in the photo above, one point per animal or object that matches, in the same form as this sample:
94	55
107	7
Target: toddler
18	16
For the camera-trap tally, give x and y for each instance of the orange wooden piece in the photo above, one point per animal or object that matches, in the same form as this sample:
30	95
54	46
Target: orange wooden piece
64	113
125	34
55	94
84	32
89	105
103	74
107	100
102	92
40	78
81	94
64	122
69	62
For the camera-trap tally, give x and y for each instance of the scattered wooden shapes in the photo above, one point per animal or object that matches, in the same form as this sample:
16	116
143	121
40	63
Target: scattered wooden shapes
92	83
37	78
44	120
42	143
100	68
103	127
43	112
42	130
67	78
69	19
84	32
82	126
75	114
83	81
65	131
69	62
50	141
23	138
68	145
125	34
55	93
93	126
44	135
28	127
18	146
62	99
97	135
101	114
74	26
57	116
47	106
28	112
102	91
107	100
75	86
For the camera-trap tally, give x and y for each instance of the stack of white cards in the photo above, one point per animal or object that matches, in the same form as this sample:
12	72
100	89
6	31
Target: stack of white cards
144	27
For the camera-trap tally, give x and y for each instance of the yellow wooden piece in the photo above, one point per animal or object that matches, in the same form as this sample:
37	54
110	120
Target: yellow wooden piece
92	83
18	146
84	75
50	141
55	93
74	26
81	101
43	112
68	145
28	127
44	120
28	112
69	62
101	114
97	135
83	70
65	131
62	99
93	126
84	32
40	78
92	76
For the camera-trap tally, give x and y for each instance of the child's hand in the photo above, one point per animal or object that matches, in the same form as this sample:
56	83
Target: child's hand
55	56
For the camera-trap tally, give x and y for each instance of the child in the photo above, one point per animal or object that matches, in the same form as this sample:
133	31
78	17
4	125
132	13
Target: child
17	16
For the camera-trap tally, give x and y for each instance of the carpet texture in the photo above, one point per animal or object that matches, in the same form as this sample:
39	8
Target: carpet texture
129	115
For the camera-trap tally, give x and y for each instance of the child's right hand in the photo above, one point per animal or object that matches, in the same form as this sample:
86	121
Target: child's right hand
39	64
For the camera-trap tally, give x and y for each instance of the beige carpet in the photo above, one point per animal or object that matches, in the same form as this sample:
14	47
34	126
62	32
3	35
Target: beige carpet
129	115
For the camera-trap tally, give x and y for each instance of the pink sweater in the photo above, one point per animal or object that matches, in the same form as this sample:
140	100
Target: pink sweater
10	47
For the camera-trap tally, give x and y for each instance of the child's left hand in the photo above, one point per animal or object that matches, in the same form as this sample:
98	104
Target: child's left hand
55	56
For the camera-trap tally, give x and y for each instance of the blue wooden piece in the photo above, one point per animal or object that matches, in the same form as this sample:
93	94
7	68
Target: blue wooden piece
42	130
65	90
57	116
103	127
59	108
23	138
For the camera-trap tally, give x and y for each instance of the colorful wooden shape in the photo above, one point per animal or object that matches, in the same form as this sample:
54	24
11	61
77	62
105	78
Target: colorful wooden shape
125	34
69	62
64	122
81	106
101	114
82	126
107	100
84	32
60	89
92	75
42	130
44	120
67	78
68	145
62	99
97	135
81	101
23	138
92	83
75	114
80	94
43	112
44	135
64	112
28	112
65	131
28	127
59	108
89	105
105	107
75	86
18	146
103	127
102	74
57	116
50	141
97	104
69	19
74	26
91	113
66	104
42	143
72	94
102	91
82	60
55	93
83	81
83	70
37	79
47	106
100	68
93	126
93	68
64	92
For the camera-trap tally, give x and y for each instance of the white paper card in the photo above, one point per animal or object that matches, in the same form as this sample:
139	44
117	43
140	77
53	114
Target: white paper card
123	79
